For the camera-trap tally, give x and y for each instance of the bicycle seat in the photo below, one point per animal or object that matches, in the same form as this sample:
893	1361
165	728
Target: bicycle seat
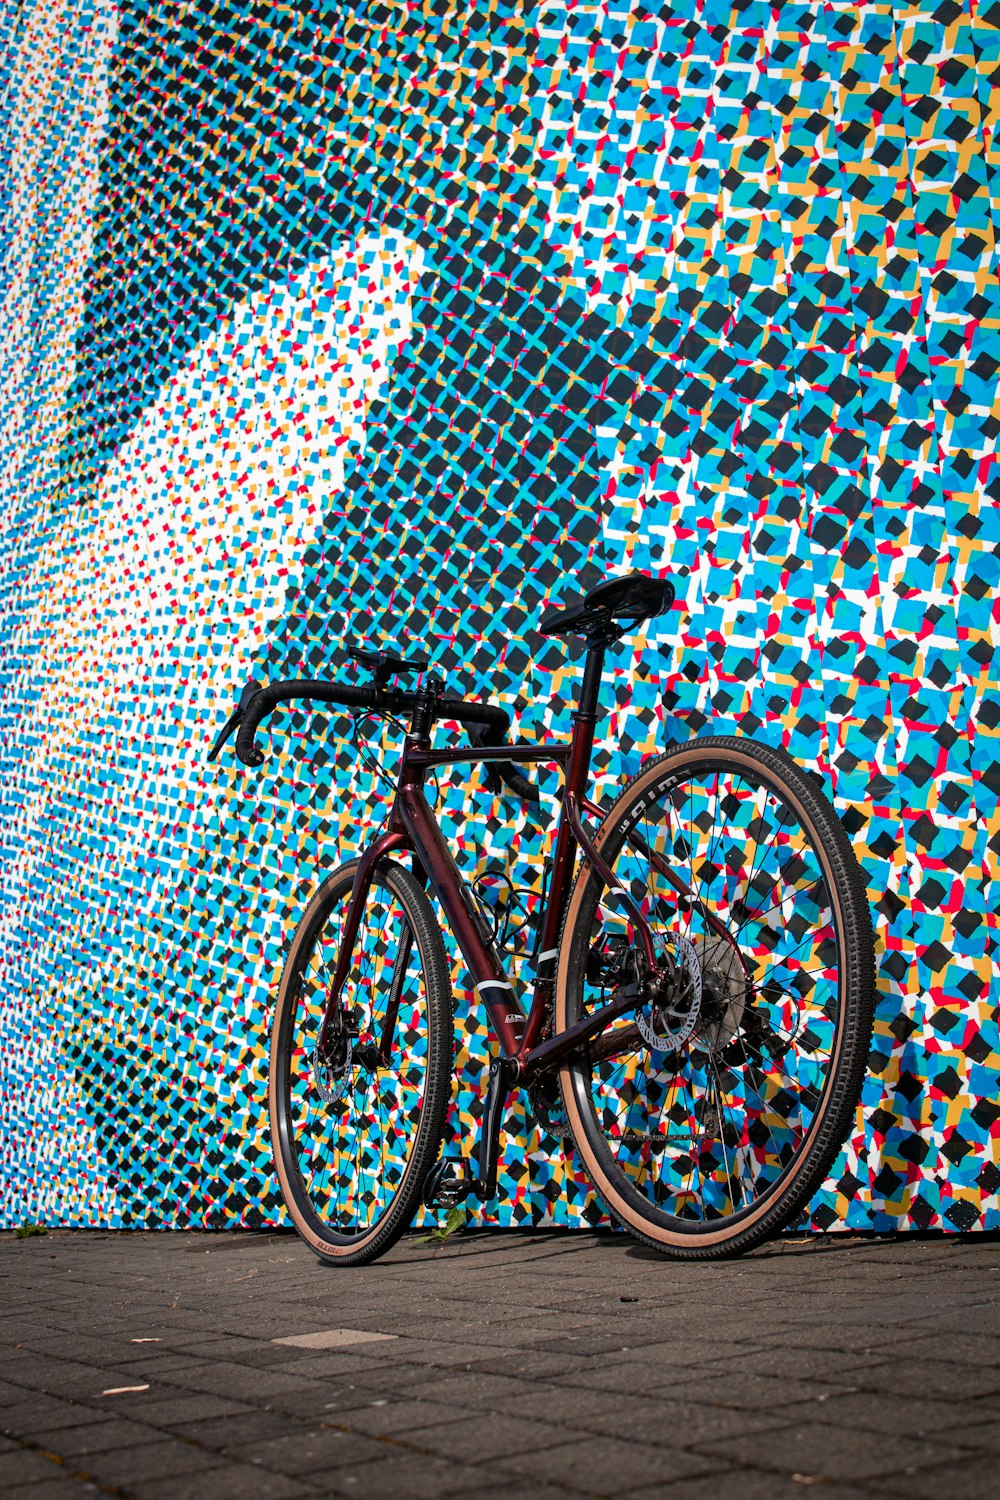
625	599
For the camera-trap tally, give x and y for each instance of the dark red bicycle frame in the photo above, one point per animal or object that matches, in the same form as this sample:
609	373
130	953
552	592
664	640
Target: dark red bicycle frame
414	829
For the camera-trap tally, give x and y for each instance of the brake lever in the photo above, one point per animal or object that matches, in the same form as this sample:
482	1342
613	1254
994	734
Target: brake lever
491	776
235	718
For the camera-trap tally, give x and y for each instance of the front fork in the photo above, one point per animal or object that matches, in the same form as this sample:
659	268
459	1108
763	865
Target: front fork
334	1012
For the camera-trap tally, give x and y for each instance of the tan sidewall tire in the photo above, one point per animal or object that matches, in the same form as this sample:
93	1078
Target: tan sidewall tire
775	766
431	948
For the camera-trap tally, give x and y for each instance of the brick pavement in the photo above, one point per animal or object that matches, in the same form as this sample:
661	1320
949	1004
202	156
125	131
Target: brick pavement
517	1365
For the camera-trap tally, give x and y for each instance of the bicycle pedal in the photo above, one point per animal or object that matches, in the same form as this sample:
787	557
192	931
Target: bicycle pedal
447	1184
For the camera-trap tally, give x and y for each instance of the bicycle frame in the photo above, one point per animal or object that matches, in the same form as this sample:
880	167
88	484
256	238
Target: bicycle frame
413	828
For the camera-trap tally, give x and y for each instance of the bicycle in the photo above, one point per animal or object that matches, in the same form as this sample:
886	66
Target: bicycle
703	990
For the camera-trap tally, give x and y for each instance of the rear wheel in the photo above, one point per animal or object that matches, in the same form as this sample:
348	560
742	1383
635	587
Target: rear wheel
356	1130
706	1119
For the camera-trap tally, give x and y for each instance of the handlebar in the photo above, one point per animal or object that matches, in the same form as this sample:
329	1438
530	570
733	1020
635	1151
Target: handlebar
311	689
488	723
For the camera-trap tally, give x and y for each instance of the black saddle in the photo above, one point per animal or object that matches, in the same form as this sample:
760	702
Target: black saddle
625	600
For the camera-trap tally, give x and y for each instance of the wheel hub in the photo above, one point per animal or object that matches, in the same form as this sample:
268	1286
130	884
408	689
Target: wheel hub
724	990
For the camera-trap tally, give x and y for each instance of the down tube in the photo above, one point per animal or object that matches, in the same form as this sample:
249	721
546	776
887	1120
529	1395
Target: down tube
489	978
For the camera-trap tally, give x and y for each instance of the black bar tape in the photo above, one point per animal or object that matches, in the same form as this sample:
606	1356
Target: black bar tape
519	784
314	690
493	719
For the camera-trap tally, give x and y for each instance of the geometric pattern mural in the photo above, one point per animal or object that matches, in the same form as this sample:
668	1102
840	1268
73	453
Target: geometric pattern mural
391	322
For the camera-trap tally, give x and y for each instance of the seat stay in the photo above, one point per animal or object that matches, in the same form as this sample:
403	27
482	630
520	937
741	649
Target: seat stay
605	872
672	878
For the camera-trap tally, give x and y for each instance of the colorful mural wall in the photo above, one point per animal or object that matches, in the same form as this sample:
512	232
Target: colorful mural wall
328	321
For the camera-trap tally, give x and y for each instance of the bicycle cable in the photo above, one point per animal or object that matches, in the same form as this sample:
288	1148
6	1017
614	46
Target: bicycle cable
499	919
368	757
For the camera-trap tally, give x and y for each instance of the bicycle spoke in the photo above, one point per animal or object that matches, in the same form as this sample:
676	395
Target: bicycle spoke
720	1107
709	1129
357	1129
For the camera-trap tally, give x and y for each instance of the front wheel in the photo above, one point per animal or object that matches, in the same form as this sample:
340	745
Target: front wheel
707	1115
356	1129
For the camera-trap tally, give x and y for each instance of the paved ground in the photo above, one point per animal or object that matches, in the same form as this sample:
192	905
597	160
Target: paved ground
543	1365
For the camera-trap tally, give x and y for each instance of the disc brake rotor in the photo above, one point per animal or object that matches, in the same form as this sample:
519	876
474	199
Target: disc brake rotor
666	1025
332	1080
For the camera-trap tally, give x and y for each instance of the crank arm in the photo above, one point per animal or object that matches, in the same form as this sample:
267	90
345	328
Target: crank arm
503	1072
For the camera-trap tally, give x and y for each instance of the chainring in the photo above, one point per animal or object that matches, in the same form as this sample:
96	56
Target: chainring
546	1105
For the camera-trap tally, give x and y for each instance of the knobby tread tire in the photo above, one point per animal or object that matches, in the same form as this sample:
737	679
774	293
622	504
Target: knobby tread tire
430	946
837	1111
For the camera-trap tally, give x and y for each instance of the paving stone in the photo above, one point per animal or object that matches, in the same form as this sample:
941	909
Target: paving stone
25	1466
226	1378
745	1390
63	1487
94	1437
530	1364
173	1410
299	1452
232	1432
235	1481
408	1418
973	1479
313	1403
89	1349
44	1372
481	1438
746	1484
11	1394
515	1491
975	1434
577	1408
941	1377
671	1422
831	1453
479	1391
36	1411
933	1418
964	1349
125	1466
413	1476
319	1364
601	1464
834	1367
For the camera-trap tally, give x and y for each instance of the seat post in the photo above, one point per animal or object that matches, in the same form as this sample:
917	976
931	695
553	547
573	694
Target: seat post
590	692
584	726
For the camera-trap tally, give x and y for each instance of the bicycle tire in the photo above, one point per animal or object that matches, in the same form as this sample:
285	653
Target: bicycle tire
734	1007
324	1146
